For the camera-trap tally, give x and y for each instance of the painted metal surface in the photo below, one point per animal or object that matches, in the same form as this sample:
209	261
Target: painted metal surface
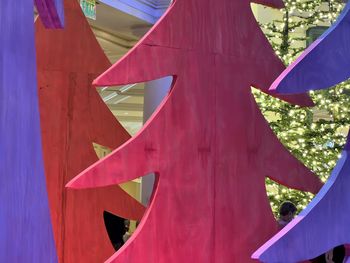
73	116
208	142
25	226
324	224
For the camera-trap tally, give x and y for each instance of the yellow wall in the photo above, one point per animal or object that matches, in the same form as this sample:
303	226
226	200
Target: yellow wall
133	188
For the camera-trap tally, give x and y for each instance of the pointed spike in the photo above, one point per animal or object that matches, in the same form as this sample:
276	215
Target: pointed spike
134	66
285	168
271	3
113	170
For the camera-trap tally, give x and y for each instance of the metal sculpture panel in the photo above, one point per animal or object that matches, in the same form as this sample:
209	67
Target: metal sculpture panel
73	116
208	143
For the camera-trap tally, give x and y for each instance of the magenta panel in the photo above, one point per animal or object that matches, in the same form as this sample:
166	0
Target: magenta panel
208	142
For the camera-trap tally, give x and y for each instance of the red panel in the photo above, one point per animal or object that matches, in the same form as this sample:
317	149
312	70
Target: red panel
209	143
72	117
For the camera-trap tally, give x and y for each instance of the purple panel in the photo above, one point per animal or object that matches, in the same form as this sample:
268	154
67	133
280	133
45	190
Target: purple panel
25	227
325	63
323	225
51	12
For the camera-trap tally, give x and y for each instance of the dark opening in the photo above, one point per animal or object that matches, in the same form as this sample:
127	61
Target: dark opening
335	255
116	229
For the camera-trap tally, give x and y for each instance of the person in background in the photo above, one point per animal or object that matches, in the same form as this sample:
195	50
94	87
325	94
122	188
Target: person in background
335	255
286	214
127	234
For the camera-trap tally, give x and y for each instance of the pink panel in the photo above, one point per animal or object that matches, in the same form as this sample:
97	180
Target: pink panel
73	116
208	142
